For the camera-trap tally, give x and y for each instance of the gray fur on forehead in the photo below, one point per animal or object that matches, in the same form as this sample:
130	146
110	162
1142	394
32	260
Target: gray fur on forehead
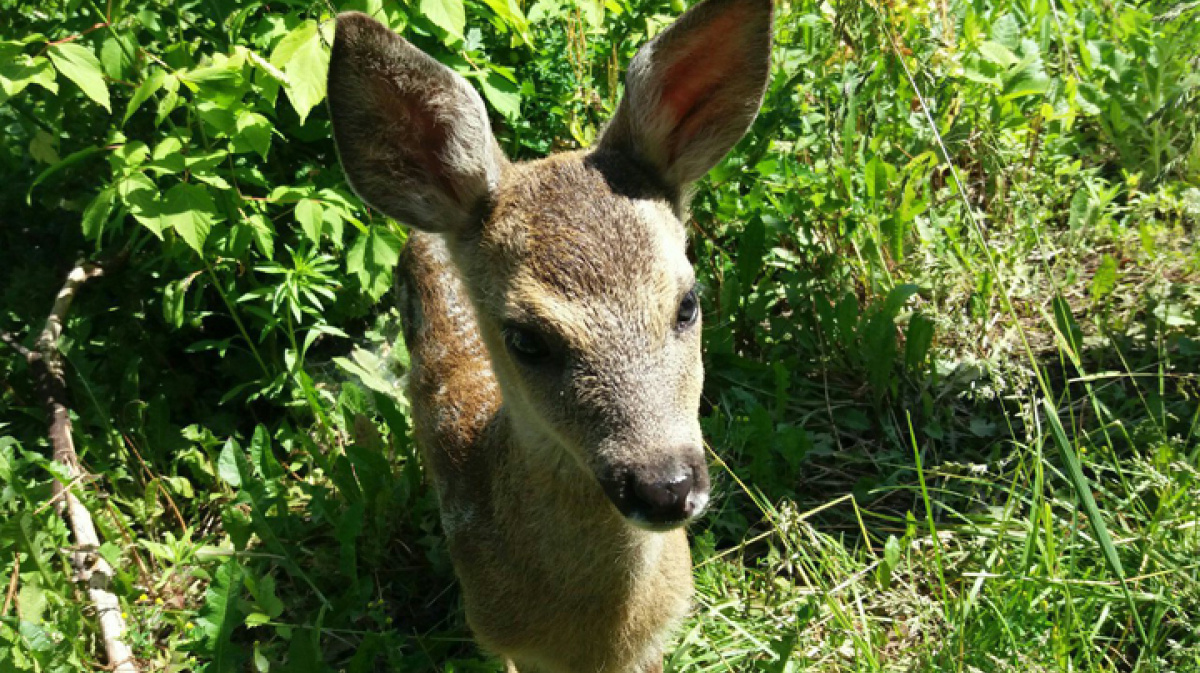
573	222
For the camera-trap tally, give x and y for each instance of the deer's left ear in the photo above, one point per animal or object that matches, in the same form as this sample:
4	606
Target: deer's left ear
692	91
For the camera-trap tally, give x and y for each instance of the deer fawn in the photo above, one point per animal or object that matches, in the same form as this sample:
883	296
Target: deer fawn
552	319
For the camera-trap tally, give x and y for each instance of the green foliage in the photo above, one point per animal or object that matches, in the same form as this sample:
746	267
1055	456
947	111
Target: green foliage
951	335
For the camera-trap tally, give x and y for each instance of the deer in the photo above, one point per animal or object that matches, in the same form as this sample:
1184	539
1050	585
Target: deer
554	330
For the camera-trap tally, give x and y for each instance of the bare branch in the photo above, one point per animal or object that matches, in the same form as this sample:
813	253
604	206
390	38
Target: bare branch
45	363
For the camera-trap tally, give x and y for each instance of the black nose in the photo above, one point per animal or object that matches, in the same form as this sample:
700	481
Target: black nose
665	501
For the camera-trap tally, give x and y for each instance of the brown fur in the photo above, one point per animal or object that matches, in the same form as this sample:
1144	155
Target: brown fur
587	251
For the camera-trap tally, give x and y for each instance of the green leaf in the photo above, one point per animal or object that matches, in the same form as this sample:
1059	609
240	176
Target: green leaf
221	615
145	90
1105	279
372	258
999	54
22	71
512	16
592	12
95	216
190	211
303	57
917	341
141	196
80	66
232	467
891	552
449	15
504	96
252	132
310	215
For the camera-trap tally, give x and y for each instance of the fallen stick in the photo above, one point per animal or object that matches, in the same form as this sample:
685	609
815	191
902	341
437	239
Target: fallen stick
45	364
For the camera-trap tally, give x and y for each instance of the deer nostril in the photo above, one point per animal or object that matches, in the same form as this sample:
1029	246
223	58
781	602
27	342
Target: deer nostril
664	501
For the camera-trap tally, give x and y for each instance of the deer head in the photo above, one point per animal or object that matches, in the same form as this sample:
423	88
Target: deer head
576	265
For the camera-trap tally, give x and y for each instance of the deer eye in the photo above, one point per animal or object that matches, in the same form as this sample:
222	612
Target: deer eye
526	345
689	311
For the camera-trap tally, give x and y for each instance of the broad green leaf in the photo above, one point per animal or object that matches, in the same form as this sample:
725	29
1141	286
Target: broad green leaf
170	99
81	66
999	54
190	211
1105	279
95	216
512	16
22	71
1081	209
592	12
115	55
372	258
42	148
145	90
449	15
231	465
252	132
310	215
303	57
32	600
504	96
1028	81
263	233
221	615
141	196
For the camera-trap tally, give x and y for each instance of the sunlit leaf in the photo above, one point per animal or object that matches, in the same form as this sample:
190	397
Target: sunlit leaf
80	65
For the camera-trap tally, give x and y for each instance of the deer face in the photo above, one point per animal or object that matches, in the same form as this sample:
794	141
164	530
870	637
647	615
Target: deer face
575	264
587	303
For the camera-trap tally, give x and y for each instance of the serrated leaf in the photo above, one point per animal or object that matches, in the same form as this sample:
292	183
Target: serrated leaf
304	59
81	66
145	90
372	258
252	131
190	211
95	216
220	616
449	15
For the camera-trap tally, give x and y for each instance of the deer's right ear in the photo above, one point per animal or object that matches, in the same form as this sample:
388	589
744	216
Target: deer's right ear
413	136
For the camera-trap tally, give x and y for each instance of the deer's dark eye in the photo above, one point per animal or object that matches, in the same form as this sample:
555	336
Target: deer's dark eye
526	345
689	311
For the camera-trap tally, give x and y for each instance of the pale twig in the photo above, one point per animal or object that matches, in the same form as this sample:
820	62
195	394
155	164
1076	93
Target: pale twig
45	363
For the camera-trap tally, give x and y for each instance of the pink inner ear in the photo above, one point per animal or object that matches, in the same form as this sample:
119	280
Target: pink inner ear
701	66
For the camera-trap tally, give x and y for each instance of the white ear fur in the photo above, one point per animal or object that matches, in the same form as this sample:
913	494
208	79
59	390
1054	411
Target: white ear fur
413	136
693	91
